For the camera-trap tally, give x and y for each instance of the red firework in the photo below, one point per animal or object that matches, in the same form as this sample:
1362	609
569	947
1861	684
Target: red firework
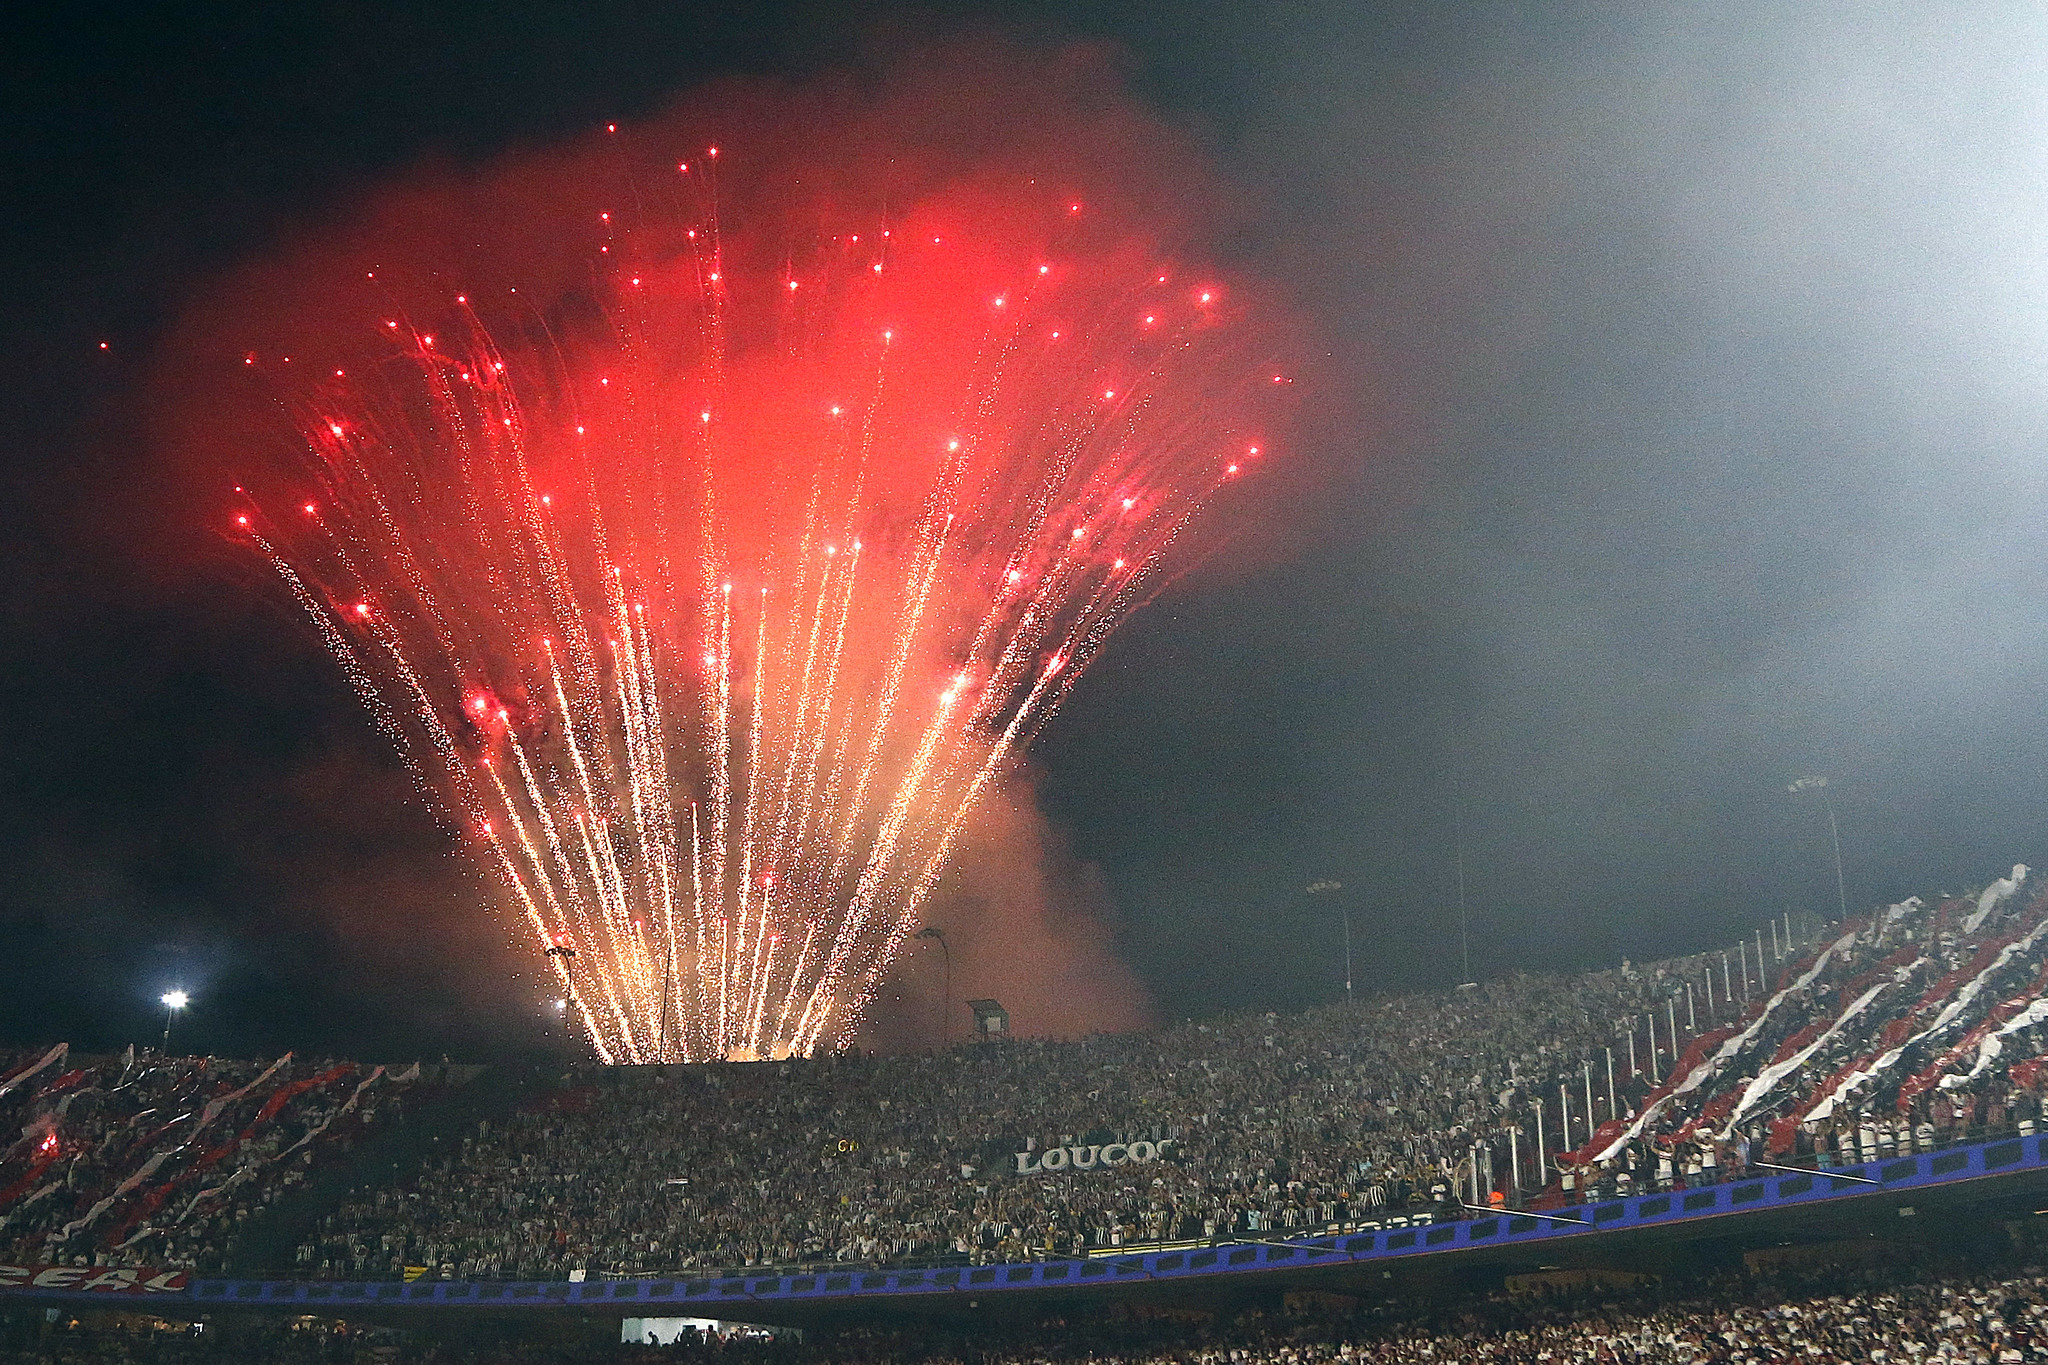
711	602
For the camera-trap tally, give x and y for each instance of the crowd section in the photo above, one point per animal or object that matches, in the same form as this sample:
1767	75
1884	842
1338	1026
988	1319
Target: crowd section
1917	1027
1920	1025
1825	1318
138	1160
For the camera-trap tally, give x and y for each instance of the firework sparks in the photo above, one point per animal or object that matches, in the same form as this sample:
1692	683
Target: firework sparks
710	630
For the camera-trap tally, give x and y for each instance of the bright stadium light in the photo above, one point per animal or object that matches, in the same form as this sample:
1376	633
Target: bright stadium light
172	1001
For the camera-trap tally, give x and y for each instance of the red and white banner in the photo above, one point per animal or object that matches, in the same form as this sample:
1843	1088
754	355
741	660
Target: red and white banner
50	1058
1694	1070
85	1279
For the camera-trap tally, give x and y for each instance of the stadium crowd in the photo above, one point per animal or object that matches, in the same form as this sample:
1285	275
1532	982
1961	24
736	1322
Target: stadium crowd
1918	1026
133	1160
1831	1318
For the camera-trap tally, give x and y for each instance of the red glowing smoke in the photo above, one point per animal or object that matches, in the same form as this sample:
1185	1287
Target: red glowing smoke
714	530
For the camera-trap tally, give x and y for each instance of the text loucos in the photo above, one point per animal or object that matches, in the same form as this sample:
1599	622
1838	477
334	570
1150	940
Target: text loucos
1089	1157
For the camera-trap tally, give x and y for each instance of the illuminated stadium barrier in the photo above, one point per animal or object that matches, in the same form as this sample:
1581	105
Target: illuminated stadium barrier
722	1296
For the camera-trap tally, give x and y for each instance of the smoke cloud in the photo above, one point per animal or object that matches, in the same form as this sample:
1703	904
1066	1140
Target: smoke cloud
960	170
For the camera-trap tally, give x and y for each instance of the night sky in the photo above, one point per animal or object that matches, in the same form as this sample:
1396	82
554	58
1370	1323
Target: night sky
1682	435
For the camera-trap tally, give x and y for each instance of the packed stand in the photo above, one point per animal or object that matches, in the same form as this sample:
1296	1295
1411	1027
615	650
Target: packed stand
1821	1318
160	1161
1266	1124
1920	1026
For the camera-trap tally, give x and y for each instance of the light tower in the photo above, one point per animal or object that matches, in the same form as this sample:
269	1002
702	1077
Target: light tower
1820	784
172	1001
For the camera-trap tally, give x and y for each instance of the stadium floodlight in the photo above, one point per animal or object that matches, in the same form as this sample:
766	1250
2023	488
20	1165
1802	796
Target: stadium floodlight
1324	888
938	936
1818	783
172	1001
561	1006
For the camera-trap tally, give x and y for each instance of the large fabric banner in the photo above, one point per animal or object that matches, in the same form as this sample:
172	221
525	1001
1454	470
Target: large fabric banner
1087	1158
50	1058
87	1279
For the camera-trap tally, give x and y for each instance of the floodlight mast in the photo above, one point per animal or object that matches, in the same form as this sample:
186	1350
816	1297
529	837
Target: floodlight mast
172	1001
1820	784
1324	888
938	935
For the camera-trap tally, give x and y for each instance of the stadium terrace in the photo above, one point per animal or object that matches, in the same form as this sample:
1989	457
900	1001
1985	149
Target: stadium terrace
1916	1028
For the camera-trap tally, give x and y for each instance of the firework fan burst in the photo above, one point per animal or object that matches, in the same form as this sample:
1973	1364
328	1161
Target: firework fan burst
710	599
